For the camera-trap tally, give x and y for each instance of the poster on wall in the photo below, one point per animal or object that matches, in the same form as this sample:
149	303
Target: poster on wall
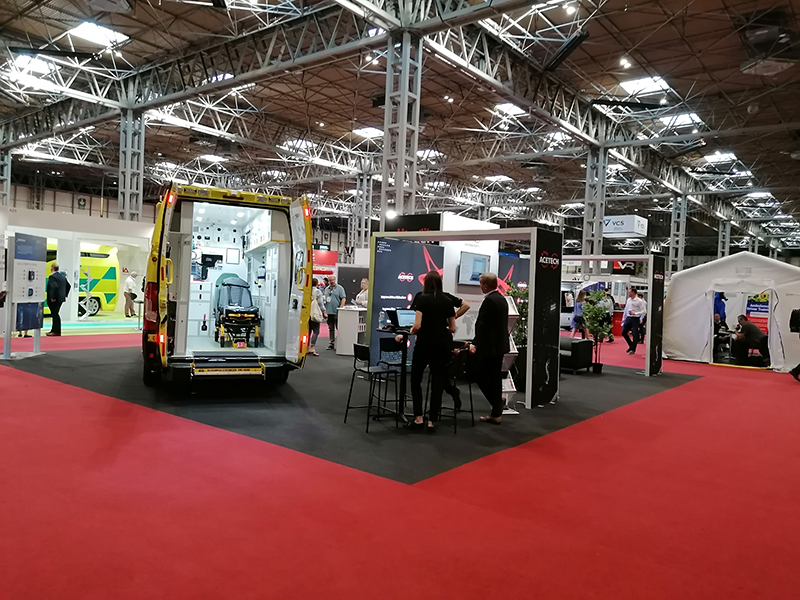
545	298
513	270
30	280
399	268
757	310
655	327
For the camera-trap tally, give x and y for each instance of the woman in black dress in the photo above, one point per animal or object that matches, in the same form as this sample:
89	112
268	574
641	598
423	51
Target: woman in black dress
434	326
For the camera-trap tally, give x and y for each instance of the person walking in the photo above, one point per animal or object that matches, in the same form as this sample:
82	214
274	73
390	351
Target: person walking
57	291
335	298
634	309
129	291
578	322
317	316
434	325
490	345
607	302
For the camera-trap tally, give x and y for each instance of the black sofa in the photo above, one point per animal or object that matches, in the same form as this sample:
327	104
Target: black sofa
575	353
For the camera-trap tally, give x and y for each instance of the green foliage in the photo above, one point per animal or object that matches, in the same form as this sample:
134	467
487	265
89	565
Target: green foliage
597	323
520	333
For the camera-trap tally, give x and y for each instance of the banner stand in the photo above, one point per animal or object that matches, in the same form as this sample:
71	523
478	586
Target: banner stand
27	259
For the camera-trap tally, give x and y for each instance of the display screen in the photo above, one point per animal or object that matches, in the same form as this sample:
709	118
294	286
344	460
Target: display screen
405	318
471	268
211	260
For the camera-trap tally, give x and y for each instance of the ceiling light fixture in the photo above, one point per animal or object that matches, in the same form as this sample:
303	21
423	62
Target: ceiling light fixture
233	222
198	219
390	214
202	211
625	63
569	8
240	215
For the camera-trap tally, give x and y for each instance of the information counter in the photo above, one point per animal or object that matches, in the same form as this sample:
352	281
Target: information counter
352	329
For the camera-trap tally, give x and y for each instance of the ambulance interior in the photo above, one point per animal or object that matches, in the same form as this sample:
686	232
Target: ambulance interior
227	291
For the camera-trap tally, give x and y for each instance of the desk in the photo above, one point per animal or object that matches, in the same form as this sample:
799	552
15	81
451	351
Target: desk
403	369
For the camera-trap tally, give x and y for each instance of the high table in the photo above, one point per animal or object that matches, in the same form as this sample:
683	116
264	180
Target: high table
395	331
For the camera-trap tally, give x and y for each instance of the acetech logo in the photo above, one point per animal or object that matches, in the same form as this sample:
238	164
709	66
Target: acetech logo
658	276
407	277
546	260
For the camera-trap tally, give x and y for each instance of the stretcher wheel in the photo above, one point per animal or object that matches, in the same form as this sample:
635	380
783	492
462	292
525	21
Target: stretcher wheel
216	335
222	342
255	341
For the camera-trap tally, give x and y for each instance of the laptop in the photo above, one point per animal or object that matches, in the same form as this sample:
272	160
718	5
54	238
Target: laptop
405	318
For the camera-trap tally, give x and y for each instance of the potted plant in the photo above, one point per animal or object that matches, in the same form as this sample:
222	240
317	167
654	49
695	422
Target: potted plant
520	335
595	315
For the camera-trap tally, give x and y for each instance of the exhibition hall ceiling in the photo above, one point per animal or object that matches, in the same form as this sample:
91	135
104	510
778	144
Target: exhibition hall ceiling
707	87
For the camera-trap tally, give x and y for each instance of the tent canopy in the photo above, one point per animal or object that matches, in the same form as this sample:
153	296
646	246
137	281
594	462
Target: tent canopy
689	307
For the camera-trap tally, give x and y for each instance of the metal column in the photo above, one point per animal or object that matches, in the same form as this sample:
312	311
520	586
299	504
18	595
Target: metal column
131	165
5	178
401	124
595	205
755	244
358	224
773	252
677	234
724	243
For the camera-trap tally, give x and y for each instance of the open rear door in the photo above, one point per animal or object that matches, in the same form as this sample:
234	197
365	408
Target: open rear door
300	293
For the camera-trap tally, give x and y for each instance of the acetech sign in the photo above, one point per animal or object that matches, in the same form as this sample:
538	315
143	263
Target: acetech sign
625	226
407	277
547	260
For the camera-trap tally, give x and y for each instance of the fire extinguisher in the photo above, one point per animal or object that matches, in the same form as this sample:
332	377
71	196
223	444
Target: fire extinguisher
204	326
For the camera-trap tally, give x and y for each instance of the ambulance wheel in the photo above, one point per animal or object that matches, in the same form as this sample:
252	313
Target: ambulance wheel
93	306
278	376
150	377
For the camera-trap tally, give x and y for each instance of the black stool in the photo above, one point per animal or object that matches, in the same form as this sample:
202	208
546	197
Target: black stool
376	376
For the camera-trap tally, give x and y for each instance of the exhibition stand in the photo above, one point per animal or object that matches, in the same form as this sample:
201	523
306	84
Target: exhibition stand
399	263
655	277
763	289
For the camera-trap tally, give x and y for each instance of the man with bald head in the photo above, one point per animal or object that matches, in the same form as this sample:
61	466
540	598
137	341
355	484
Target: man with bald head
490	345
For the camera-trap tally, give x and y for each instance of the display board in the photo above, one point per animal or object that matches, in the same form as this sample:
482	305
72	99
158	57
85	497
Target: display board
471	266
545	308
398	271
757	311
418	222
513	270
30	280
349	277
655	325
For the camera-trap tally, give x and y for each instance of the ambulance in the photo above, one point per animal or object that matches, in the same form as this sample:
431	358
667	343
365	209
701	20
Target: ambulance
99	273
204	239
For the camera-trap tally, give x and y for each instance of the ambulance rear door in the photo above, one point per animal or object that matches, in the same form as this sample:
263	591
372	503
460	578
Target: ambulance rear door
300	292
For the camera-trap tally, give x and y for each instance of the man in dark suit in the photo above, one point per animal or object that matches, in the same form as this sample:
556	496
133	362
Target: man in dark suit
57	291
490	344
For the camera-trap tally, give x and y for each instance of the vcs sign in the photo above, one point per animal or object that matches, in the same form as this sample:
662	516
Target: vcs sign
625	226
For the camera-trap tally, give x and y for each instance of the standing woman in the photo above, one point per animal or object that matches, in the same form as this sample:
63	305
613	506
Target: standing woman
578	322
362	298
317	315
434	325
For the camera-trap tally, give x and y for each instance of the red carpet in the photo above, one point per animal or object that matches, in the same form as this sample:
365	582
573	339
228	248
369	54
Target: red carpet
77	342
688	494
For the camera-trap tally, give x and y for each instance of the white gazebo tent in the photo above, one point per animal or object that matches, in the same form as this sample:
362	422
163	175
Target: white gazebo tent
689	306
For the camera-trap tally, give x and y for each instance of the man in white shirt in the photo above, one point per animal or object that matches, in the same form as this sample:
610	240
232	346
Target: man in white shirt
129	291
635	308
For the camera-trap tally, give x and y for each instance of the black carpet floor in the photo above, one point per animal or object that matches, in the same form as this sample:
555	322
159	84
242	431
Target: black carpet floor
306	413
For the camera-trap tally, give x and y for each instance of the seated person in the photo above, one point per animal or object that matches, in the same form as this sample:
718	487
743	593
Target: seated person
748	336
721	337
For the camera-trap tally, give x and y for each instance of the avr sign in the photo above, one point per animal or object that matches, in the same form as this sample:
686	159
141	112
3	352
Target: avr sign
625	226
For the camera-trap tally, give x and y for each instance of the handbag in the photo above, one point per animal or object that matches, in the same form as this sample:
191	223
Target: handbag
316	312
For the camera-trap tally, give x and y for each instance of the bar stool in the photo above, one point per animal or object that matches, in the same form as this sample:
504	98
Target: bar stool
459	368
377	376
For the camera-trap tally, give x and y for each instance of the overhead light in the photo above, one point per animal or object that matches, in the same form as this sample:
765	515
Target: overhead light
663	101
720	157
202	211
240	215
26	63
512	110
681	120
694	130
299	145
390	214
368	132
646	85
625	63
213	158
321	124
198	219
429	154
97	34
498	178
233	222
274	173
569	8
